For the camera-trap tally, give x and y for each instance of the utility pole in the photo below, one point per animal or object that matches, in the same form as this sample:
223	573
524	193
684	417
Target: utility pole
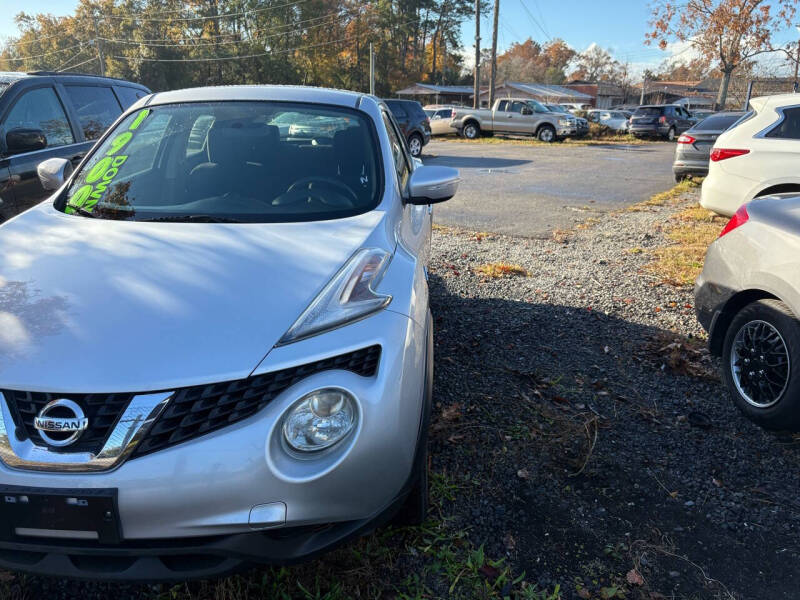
476	103
493	76
644	85
371	69
99	47
796	65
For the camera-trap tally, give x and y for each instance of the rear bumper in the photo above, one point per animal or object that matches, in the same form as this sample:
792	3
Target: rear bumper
724	192
690	167
649	130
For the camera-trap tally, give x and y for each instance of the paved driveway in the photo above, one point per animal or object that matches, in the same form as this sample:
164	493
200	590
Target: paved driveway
532	190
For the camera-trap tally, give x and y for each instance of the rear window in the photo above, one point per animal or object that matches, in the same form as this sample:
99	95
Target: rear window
717	122
97	108
648	111
232	161
128	95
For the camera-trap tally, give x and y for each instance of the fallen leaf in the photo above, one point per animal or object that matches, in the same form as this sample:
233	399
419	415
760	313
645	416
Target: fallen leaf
634	578
490	572
509	542
523	474
452	412
584	593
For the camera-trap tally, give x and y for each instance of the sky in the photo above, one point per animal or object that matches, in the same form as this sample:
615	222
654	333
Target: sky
616	25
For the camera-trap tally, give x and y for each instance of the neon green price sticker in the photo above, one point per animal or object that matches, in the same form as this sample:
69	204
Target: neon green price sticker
102	174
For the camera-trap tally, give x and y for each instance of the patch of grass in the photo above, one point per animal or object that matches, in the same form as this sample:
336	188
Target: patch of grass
672	196
691	231
501	269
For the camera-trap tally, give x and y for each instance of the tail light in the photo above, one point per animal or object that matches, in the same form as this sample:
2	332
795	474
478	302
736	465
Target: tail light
737	220
686	139
662	119
718	154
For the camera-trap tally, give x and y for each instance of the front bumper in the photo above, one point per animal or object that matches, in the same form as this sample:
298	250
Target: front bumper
196	498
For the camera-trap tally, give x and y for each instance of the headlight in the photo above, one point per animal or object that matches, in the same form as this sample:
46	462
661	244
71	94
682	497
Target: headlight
564	122
349	296
319	420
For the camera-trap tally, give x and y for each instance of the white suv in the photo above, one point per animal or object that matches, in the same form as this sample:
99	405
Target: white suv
758	156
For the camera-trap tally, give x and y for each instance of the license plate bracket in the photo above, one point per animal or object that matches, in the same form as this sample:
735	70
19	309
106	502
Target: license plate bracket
67	513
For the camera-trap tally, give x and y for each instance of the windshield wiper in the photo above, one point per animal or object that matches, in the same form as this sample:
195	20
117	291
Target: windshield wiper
192	219
80	211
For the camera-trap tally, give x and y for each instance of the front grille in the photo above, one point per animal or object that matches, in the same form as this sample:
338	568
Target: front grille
102	410
199	410
192	411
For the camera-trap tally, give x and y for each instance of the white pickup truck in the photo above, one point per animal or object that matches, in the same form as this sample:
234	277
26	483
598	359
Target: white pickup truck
518	116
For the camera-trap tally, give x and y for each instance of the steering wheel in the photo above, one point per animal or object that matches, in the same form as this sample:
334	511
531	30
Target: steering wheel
314	187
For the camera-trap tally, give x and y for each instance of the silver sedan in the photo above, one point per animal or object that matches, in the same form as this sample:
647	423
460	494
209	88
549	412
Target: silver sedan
747	298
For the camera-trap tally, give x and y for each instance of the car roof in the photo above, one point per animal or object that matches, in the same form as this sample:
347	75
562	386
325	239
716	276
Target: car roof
14	76
775	101
285	93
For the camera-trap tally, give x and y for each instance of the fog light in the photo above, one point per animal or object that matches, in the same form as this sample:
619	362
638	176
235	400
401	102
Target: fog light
319	420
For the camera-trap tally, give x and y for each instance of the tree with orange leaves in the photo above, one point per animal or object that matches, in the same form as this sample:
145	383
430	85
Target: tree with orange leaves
726	32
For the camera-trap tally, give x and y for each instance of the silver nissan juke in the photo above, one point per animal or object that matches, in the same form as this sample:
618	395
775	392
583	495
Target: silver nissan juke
215	340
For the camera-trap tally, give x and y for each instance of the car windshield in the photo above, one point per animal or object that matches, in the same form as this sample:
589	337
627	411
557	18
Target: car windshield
648	111
231	161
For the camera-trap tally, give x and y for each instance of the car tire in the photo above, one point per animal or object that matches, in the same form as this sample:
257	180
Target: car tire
415	144
546	133
671	134
679	177
769	393
414	510
471	131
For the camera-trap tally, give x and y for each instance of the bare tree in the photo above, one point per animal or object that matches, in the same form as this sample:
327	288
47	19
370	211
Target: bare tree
727	32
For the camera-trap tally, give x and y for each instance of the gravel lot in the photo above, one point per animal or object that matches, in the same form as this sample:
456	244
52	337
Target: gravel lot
576	389
529	190
563	441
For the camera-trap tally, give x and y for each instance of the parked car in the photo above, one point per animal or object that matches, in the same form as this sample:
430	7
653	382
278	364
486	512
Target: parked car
413	122
667	121
693	150
581	124
613	119
518	116
47	115
748	299
257	318
439	118
757	156
574	107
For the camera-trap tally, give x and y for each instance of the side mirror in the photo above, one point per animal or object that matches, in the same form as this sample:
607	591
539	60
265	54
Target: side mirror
53	172
431	184
21	140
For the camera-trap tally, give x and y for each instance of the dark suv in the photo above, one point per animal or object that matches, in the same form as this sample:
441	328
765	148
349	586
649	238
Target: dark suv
48	115
660	120
413	122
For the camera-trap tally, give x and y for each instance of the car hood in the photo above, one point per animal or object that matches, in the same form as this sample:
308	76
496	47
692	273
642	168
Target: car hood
91	305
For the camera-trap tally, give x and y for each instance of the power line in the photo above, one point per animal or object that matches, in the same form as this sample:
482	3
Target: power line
44	54
533	19
69	60
79	64
26	42
212	17
256	55
172	41
207	42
